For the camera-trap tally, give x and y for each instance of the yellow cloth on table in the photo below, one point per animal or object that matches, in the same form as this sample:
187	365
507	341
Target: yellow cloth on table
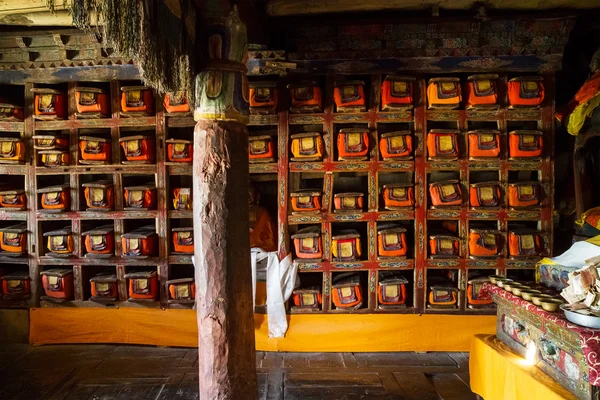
498	373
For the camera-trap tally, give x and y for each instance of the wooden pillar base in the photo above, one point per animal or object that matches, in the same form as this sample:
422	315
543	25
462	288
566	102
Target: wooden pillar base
222	262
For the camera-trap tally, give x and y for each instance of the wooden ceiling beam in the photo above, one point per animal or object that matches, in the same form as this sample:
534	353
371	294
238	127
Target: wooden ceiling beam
47	18
280	8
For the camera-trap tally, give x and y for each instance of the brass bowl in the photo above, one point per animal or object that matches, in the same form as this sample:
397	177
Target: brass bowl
529	293
501	282
517	290
510	286
551	305
538	298
494	278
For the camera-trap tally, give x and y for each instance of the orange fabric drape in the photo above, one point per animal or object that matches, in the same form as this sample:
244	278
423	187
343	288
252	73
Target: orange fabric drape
263	234
316	333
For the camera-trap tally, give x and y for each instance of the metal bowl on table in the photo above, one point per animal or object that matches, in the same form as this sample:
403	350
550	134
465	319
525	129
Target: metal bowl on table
584	317
537	299
500	282
551	305
529	293
517	290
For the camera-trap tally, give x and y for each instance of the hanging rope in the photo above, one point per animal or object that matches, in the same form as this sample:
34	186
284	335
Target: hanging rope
157	34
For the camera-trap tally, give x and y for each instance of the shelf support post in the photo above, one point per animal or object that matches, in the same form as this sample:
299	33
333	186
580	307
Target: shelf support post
223	278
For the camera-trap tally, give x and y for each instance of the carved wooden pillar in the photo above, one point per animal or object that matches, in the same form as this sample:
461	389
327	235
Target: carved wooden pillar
221	240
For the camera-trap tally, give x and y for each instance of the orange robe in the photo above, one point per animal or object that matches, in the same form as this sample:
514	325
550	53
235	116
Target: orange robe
262	229
582	105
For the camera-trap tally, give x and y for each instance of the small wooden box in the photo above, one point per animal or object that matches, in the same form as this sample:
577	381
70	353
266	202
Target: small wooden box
182	289
307	200
442	297
142	285
307	299
524	194
58	284
397	196
346	291
50	142
180	150
12	151
100	242
526	91
261	149
353	144
348	202
442	144
176	103
60	242
11	112
396	145
444	93
484	144
104	288
525	144
138	149
54	158
16	286
55	198
391	293
263	97
99	196
91	103
391	241
485	195
484	243
183	240
140	197
14	200
476	298
524	243
140	243
482	92
308	244
13	240
397	93
49	104
136	101
94	150
182	199
346	246
305	97
445	194
307	146
349	96
444	246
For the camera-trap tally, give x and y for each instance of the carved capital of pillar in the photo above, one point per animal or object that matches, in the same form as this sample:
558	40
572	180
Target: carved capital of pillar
222	86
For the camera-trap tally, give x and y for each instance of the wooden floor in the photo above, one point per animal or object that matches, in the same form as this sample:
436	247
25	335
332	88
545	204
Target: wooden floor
138	372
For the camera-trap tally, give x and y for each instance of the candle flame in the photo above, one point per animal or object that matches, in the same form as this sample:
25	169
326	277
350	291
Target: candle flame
531	353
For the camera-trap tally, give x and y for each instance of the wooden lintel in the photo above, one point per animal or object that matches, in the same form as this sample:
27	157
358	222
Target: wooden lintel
279	8
70	74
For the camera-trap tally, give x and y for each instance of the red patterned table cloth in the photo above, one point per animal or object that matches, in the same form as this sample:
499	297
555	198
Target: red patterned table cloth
589	338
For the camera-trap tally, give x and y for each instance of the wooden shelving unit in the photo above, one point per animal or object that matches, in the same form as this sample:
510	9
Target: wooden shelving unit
284	177
418	265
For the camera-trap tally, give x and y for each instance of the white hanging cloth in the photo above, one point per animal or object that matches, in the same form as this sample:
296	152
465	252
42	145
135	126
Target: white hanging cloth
281	280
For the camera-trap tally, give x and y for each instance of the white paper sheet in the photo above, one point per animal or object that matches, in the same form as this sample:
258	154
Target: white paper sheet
577	254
